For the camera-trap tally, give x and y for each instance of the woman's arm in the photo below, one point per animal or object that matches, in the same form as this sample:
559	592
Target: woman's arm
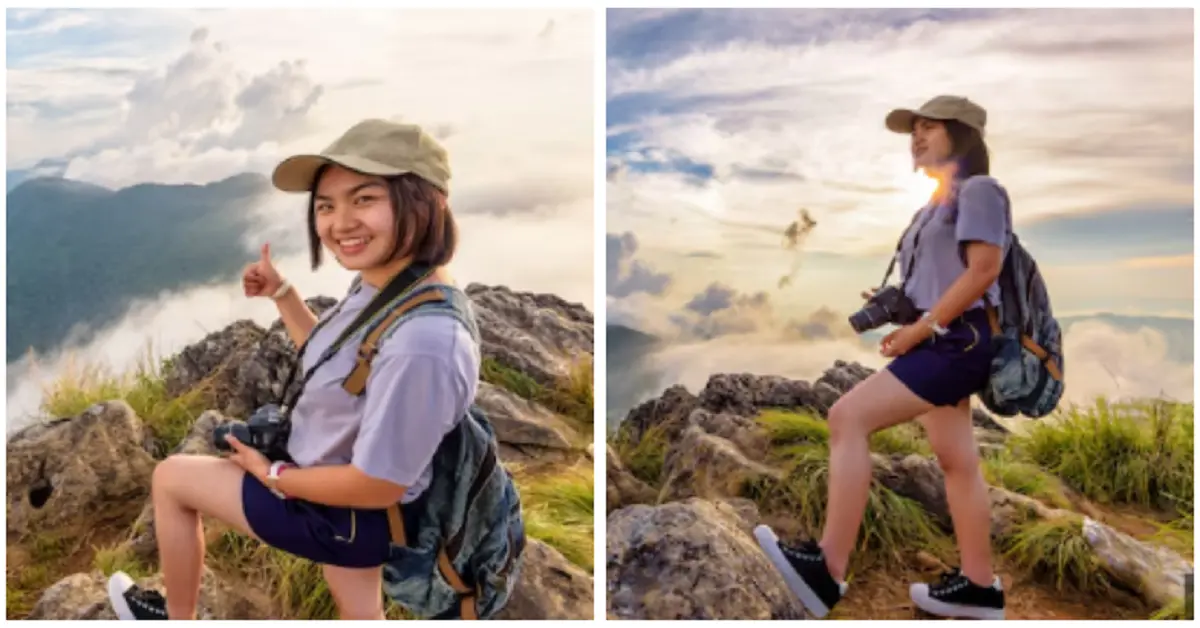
297	318
982	228
339	485
983	267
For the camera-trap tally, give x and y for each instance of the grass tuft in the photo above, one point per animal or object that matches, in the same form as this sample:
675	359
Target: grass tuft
646	457
572	396
1025	478
1139	453
81	385
1058	553
119	557
559	510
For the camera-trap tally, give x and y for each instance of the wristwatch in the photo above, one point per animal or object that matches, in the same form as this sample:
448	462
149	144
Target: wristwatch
934	325
273	473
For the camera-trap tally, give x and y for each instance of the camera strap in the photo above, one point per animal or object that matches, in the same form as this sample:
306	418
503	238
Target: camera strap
900	245
395	290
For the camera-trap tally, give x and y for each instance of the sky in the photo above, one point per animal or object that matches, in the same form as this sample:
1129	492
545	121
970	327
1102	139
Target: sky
723	124
119	98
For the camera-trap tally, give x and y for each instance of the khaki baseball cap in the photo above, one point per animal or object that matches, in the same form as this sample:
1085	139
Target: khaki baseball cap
376	147
939	108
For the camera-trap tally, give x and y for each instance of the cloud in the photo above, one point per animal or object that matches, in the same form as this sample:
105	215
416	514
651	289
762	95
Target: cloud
787	107
627	275
1161	261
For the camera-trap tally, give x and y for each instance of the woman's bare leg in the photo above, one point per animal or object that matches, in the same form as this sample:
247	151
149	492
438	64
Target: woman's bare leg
952	437
357	592
878	402
183	488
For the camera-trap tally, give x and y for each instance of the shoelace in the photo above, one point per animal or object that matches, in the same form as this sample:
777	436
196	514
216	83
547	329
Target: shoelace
949	581
150	600
808	550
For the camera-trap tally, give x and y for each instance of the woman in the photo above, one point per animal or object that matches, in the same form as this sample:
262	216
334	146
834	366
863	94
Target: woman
952	255
378	203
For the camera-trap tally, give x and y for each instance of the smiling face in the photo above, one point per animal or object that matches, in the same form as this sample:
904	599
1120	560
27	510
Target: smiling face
355	219
930	144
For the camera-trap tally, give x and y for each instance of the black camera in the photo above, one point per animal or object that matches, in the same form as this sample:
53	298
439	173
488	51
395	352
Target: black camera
889	305
266	431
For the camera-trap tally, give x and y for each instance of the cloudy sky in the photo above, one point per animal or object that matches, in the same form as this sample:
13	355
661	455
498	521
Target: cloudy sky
722	125
118	98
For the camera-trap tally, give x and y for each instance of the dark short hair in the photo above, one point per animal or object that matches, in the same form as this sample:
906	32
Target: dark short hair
968	147
425	226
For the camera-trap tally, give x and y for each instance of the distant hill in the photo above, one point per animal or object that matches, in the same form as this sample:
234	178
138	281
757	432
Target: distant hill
79	253
630	378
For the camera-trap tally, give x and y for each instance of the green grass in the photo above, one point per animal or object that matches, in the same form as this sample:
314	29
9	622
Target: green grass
1056	552
646	457
892	525
114	558
559	510
1175	611
1138	453
1025	478
784	427
572	396
24	583
81	385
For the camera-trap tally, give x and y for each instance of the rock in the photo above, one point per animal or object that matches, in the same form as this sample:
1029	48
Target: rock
549	587
623	488
690	560
704	465
669	412
66	477
1156	573
537	334
742	431
522	422
85	596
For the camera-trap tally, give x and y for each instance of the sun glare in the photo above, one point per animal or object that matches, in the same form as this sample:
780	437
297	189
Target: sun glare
918	188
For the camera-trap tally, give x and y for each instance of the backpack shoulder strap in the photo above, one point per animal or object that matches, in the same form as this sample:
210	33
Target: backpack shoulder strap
356	382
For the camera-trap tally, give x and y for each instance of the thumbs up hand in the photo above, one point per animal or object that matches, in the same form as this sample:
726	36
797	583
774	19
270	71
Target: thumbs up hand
260	278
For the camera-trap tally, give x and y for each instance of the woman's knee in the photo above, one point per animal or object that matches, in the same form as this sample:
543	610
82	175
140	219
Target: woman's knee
842	420
958	459
166	475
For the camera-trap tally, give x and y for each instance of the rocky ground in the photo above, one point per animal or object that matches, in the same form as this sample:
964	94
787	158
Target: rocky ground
78	484
690	476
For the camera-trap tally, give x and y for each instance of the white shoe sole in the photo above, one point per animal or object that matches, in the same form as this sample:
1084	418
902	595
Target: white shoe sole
919	593
808	598
118	584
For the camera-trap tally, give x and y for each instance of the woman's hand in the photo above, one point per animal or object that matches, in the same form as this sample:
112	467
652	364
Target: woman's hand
249	459
868	293
903	340
260	279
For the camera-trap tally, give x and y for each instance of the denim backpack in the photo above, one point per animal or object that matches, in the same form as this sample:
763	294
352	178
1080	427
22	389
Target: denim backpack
465	553
1027	367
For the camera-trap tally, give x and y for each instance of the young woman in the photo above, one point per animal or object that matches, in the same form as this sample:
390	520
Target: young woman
952	254
378	203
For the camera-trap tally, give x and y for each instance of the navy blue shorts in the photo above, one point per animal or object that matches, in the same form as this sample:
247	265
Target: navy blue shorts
345	537
944	370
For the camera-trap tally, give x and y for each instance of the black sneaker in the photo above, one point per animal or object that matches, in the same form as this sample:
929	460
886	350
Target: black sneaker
953	595
133	602
804	570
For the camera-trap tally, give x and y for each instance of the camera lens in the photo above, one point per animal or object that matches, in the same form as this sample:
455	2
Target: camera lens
239	430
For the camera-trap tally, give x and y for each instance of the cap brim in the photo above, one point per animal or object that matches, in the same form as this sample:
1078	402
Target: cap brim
296	173
900	120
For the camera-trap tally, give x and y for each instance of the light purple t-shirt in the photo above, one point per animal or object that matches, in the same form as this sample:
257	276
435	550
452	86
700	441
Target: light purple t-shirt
421	383
984	215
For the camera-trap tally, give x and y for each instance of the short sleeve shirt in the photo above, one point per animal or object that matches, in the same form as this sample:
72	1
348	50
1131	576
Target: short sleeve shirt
422	381
982	214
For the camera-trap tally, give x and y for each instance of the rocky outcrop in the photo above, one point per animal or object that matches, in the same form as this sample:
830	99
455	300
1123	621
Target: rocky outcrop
65	476
716	449
532	333
693	559
77	474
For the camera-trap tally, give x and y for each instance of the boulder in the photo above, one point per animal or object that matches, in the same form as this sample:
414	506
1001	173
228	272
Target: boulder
549	587
694	559
65	476
85	596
